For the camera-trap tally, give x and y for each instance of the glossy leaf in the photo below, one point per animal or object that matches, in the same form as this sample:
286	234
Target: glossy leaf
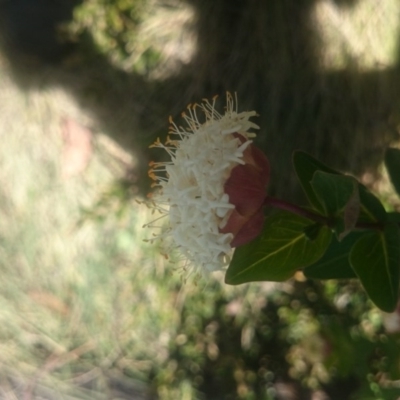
371	208
281	250
393	216
392	162
333	191
340	198
305	167
375	258
335	264
312	231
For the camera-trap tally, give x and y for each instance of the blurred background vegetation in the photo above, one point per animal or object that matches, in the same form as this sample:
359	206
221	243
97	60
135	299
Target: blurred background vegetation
88	310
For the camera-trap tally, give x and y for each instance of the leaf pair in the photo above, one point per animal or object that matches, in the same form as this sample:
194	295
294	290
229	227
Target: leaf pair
366	244
371	255
336	195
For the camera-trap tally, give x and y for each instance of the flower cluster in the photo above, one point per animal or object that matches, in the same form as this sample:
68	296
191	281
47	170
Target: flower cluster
212	190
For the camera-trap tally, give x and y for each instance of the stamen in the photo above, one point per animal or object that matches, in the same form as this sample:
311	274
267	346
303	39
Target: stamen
190	187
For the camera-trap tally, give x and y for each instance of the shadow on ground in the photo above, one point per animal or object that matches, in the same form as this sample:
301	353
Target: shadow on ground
266	51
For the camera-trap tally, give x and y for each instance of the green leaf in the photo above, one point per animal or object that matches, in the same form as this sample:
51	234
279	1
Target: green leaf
335	264
305	167
375	258
372	209
393	216
281	250
392	162
344	196
333	191
312	231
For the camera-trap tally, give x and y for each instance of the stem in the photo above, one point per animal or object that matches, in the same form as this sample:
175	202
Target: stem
379	226
293	208
285	205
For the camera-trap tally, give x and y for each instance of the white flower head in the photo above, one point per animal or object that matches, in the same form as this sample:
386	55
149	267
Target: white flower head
190	187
